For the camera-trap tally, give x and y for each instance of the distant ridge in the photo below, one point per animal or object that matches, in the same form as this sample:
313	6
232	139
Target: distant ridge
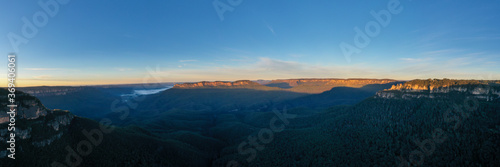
217	84
311	86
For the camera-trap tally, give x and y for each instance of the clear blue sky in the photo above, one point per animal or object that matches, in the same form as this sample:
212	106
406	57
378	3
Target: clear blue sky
116	41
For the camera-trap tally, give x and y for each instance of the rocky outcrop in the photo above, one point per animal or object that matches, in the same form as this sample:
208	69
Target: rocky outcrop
62	120
487	90
433	84
50	125
33	111
28	107
217	84
410	87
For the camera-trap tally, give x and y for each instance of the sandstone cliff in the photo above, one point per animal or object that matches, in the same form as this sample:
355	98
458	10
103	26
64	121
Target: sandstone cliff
481	89
32	114
29	107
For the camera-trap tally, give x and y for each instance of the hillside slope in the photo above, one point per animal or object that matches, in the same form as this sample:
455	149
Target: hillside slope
217	96
338	96
315	86
46	137
453	128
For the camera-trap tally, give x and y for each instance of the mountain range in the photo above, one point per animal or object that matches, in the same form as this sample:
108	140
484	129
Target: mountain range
294	122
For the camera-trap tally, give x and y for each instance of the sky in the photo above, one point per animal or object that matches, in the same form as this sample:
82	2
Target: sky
95	42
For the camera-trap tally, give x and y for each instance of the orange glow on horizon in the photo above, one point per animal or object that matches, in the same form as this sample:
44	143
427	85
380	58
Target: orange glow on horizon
34	83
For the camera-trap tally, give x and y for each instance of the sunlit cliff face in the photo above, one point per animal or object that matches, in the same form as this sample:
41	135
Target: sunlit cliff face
487	90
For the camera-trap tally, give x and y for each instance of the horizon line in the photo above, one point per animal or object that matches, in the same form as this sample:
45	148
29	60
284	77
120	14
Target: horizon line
253	80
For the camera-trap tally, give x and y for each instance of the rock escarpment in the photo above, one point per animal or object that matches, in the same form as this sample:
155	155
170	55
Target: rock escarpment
32	114
28	108
481	89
